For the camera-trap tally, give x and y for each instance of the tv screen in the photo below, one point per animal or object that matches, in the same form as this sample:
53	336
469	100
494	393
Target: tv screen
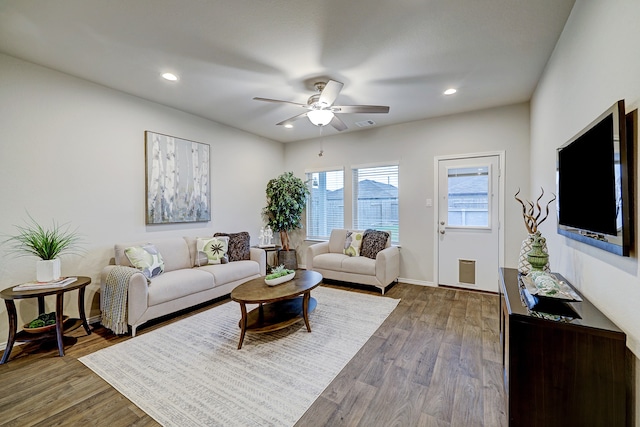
587	183
593	183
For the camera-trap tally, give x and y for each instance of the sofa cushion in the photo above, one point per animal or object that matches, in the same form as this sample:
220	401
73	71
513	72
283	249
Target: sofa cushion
175	253
239	245
337	239
145	258
373	241
359	265
227	273
215	248
353	243
201	259
329	261
178	283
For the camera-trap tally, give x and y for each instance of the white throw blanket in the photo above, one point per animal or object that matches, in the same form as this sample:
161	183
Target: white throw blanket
114	299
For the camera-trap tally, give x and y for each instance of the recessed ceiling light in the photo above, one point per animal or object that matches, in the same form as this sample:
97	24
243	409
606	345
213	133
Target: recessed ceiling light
450	91
288	125
170	76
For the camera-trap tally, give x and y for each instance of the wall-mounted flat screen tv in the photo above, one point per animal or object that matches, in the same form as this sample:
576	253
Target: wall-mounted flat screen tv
594	184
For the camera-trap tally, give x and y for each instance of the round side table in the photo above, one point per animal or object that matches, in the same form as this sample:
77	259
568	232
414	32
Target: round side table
9	296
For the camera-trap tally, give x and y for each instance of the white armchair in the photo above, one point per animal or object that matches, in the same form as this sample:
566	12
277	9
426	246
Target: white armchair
329	259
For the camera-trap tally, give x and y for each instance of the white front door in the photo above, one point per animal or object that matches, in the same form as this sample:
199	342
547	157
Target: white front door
468	222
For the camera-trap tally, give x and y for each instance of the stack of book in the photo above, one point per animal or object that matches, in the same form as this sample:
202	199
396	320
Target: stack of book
31	286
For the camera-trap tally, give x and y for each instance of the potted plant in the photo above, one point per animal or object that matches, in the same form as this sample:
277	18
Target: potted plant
286	199
45	243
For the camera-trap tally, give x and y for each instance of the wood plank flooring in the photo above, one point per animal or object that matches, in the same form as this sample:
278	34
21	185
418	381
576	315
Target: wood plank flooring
435	361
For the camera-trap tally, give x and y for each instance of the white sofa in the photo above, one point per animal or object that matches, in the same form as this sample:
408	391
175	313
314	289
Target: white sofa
328	259
181	285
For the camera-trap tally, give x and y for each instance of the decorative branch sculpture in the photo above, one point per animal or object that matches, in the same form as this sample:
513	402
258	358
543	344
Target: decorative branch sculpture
532	212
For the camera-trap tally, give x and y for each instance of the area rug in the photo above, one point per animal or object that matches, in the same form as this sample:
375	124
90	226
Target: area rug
190	373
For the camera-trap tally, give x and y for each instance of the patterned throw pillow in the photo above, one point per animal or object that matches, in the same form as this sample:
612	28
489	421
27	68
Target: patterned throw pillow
239	245
146	258
373	241
352	243
214	247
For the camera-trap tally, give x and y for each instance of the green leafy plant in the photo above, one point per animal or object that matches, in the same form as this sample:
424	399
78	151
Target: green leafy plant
45	243
279	271
286	199
44	319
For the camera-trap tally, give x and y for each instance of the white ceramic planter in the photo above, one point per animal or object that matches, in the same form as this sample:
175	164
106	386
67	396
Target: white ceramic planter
280	279
48	270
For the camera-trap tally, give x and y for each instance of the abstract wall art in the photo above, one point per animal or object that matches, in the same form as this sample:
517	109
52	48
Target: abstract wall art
177	184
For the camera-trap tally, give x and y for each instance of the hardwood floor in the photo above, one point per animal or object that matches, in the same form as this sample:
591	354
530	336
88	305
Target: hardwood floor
435	361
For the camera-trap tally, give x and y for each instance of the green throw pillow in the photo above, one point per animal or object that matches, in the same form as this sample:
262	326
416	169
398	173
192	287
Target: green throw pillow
352	243
147	259
215	247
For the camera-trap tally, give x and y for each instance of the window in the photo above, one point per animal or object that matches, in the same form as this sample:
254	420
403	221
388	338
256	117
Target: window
468	197
375	199
325	205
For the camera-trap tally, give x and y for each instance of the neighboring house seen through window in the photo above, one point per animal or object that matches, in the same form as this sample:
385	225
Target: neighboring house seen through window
468	198
325	205
375	199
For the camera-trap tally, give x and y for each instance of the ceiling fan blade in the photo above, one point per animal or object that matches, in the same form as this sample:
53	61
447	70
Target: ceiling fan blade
330	92
281	102
338	124
360	109
291	119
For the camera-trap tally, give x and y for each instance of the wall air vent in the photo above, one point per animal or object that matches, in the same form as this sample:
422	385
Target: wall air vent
365	123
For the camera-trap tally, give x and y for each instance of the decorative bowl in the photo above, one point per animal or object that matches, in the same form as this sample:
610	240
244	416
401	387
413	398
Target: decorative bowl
281	279
41	329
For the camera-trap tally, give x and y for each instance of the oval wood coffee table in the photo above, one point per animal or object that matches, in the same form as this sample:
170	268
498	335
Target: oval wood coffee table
279	306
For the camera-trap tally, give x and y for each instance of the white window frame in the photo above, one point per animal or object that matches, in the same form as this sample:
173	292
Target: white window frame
354	194
489	192
309	209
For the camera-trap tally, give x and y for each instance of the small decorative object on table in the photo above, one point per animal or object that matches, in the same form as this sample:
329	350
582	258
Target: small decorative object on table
533	251
44	322
547	285
279	275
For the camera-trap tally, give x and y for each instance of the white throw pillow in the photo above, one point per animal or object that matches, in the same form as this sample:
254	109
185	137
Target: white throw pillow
215	247
146	258
352	243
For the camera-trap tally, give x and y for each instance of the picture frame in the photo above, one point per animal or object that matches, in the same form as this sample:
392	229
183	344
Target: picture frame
177	180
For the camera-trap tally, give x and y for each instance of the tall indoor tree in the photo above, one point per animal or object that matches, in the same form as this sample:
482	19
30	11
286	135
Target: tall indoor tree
286	200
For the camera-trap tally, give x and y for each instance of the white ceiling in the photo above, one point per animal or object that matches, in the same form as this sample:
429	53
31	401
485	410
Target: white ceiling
400	53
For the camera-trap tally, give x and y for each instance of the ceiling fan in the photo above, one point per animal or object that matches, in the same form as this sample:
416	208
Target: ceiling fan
321	111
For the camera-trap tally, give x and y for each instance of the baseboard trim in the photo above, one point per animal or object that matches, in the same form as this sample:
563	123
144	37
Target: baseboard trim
417	282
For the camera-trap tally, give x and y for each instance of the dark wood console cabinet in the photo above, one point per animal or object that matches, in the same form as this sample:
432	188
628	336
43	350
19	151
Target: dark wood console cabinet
560	372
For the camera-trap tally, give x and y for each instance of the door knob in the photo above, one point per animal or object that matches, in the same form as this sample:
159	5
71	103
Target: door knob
441	231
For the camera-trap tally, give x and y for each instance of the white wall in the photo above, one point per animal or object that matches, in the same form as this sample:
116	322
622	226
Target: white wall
73	151
415	145
595	63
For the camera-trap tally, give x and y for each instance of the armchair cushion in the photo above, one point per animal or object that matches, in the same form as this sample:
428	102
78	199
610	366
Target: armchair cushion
359	265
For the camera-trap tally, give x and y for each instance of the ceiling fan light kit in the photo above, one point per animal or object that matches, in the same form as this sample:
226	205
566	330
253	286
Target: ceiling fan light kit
320	117
322	112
